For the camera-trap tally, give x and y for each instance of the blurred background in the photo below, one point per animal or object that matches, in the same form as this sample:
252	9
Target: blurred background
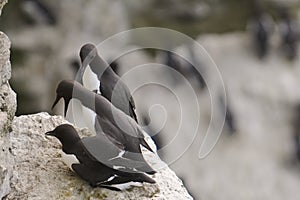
253	43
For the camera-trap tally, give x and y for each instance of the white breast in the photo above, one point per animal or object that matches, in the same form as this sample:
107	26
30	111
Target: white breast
90	80
69	159
88	117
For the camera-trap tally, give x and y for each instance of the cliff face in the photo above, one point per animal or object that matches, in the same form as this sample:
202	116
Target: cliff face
7	111
39	173
30	163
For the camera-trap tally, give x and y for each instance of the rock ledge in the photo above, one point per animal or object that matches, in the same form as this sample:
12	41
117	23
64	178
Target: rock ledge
38	172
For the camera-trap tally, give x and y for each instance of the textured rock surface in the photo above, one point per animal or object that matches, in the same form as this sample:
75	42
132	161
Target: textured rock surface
7	111
40	174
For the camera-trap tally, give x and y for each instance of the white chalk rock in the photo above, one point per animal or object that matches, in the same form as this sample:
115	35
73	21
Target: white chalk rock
39	172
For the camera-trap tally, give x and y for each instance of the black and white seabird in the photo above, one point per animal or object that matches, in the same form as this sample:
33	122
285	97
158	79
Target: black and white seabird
289	33
186	68
192	70
120	128
170	60
78	154
38	12
109	83
261	27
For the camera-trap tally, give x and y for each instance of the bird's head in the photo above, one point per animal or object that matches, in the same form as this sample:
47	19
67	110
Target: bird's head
88	52
66	134
64	90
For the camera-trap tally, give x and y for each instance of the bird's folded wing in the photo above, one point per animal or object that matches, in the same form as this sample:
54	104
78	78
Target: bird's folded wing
94	177
101	149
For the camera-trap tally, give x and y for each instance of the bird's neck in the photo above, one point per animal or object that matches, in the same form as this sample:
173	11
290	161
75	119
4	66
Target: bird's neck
68	145
99	67
92	100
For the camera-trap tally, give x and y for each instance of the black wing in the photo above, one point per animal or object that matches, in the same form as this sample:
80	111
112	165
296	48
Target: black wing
93	174
102	150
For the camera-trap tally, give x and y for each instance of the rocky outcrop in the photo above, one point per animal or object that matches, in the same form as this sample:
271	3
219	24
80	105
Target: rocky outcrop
30	163
7	111
39	173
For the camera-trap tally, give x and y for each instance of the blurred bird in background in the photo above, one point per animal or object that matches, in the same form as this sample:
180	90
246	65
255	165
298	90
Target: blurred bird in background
261	26
289	31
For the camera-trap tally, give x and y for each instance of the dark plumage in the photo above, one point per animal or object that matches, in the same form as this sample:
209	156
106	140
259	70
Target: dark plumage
171	60
121	129
192	71
97	171
115	66
111	86
262	28
185	67
37	12
289	34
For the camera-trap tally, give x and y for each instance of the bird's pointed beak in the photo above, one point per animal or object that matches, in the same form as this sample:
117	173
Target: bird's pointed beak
56	101
67	101
49	133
